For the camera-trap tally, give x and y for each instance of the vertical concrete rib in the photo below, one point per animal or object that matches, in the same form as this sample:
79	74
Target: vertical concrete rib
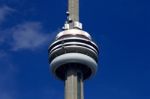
73	85
79	85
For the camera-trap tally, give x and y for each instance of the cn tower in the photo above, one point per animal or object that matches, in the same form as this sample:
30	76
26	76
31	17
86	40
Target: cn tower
73	56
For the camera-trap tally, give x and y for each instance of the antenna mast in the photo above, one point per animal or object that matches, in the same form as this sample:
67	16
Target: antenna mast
73	15
73	8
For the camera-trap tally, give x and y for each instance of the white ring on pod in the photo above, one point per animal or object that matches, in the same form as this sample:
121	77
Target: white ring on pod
73	58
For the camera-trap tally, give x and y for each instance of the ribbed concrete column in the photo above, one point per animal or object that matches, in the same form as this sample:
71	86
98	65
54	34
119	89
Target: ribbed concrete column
74	85
82	89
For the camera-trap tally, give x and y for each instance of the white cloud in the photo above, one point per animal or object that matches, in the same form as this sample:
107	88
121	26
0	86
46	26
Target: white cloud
24	36
28	36
4	11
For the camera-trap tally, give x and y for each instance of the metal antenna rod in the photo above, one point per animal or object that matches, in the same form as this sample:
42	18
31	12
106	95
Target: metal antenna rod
73	8
73	16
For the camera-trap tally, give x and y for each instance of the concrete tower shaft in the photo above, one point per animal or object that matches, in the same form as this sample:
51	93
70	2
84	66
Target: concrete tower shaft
74	84
73	56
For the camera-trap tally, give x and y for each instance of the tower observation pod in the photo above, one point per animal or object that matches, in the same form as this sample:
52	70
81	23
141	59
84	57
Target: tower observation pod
73	56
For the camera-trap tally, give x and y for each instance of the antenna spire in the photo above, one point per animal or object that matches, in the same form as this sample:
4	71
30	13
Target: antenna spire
73	15
73	8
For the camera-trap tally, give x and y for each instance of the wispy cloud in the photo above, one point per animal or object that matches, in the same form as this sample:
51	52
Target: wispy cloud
23	36
28	35
4	11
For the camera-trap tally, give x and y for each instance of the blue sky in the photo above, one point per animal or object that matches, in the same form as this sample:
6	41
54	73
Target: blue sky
121	28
